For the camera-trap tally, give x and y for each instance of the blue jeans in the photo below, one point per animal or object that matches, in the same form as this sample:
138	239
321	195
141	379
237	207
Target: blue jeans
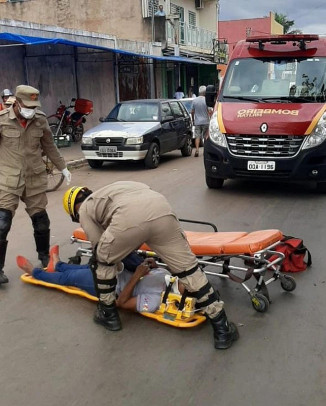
79	276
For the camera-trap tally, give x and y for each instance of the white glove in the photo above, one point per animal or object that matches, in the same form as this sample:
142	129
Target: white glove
67	174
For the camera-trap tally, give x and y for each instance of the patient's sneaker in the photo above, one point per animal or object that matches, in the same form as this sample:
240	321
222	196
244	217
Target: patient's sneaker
24	264
54	258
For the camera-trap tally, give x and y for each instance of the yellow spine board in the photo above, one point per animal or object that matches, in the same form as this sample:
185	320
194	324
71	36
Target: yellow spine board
166	314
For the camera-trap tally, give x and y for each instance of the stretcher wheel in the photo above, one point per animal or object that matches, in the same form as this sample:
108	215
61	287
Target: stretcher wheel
288	283
260	303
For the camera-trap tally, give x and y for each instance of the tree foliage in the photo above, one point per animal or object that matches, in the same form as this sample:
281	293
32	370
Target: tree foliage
287	24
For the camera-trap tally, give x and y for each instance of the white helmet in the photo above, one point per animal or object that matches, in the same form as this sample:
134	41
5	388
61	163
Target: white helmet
6	92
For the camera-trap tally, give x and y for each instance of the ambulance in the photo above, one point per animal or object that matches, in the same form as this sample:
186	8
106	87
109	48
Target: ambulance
269	120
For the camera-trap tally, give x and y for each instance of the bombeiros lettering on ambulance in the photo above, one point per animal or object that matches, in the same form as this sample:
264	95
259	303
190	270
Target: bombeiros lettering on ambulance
261	112
269	119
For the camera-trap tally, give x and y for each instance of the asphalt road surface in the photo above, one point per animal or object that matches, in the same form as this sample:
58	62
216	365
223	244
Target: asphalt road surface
52	353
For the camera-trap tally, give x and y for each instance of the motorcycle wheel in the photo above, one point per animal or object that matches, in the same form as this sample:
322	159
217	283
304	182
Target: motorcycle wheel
77	135
56	131
55	177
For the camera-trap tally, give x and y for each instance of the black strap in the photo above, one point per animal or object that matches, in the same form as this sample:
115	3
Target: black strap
213	297
247	276
110	282
187	273
201	292
183	300
167	291
106	290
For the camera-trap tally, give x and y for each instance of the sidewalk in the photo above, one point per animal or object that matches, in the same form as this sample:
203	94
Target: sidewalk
73	155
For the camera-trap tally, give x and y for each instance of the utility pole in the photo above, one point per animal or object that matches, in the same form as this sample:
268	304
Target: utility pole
152	7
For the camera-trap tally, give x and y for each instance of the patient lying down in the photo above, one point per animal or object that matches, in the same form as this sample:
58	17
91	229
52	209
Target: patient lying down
140	283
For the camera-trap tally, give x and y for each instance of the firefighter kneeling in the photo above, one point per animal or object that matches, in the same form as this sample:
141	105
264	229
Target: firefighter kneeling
120	217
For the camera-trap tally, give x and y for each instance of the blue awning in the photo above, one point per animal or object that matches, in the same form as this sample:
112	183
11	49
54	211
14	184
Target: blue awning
28	40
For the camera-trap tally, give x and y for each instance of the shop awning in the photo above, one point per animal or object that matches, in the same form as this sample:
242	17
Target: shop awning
16	40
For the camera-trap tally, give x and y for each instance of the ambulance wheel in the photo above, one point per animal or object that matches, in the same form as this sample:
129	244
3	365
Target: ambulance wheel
321	187
214	183
260	303
288	283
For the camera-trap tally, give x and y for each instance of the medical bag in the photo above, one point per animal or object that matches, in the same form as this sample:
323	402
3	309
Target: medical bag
297	256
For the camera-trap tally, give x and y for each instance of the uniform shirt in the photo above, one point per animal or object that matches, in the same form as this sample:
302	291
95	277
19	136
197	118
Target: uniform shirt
22	168
200	111
123	204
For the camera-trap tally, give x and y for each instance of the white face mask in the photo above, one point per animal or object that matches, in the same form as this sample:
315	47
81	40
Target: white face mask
26	113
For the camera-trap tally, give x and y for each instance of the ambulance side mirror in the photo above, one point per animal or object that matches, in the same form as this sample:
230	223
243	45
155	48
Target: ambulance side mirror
210	95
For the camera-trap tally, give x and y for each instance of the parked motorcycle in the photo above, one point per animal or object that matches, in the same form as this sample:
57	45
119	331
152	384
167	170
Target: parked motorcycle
68	126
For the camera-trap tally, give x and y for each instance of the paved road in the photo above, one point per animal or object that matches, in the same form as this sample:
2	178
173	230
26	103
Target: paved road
53	354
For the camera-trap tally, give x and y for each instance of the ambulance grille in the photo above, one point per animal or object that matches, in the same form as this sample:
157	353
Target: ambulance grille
262	146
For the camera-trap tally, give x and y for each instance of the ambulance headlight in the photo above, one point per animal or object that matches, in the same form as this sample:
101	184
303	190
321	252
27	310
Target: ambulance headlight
318	135
214	132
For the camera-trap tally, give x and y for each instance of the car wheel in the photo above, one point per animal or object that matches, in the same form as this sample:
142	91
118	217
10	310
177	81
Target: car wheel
186	150
321	187
95	163
214	183
152	158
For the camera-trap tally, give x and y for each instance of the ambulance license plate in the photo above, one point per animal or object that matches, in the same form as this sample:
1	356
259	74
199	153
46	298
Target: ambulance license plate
107	150
261	166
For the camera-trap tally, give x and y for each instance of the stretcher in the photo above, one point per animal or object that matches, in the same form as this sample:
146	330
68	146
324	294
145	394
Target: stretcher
170	311
219	254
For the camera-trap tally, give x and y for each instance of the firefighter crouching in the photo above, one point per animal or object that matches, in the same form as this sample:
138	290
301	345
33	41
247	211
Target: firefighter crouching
120	217
24	136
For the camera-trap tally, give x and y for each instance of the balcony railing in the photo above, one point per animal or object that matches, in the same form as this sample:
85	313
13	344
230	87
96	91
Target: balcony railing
182	34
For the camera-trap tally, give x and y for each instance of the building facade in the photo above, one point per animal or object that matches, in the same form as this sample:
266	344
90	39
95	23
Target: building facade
106	51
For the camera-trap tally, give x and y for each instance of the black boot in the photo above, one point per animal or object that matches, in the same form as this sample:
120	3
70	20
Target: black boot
108	316
42	241
41	225
3	250
225	332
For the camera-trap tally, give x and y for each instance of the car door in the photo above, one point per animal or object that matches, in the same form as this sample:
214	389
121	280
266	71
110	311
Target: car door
168	138
180	123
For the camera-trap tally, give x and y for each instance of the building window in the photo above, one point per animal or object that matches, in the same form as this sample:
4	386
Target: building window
152	7
192	19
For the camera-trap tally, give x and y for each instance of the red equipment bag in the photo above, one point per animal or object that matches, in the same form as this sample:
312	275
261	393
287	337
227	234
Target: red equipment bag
84	106
297	256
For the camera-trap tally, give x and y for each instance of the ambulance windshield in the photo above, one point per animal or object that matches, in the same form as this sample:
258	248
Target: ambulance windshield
264	80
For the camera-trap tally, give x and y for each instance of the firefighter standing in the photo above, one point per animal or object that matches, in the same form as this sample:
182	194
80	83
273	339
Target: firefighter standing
7	99
25	136
119	218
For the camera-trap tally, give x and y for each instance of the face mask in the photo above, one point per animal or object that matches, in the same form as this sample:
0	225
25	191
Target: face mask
26	113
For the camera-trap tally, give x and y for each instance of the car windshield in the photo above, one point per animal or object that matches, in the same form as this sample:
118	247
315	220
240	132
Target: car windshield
187	104
276	80
134	112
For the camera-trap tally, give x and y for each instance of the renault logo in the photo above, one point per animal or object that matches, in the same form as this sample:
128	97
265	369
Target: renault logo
263	127
108	140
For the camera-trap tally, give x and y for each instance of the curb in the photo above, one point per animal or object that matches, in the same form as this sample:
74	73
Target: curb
77	163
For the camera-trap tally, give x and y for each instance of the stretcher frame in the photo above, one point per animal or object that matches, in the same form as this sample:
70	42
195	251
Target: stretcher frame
255	263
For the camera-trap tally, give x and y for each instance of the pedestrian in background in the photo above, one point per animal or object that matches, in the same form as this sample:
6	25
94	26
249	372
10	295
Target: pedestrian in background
191	93
179	93
25	136
200	118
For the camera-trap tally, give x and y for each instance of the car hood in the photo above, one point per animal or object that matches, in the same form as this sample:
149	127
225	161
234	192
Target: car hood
122	129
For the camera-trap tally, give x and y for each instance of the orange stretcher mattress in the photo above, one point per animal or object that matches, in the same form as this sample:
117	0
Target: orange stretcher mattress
229	243
220	243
